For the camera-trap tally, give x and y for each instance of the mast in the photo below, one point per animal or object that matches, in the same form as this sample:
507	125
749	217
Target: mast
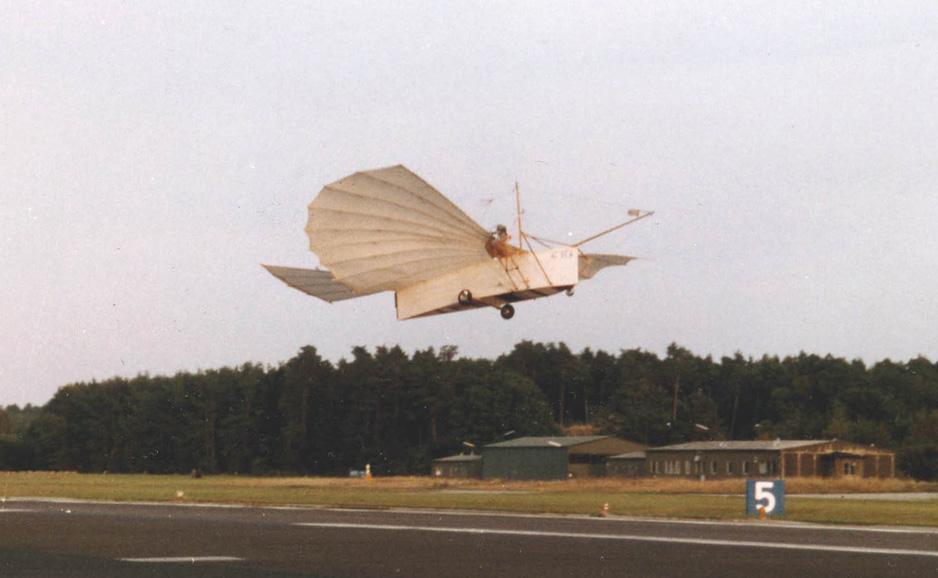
518	203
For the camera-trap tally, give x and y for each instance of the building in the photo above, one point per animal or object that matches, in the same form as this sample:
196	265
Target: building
630	465
748	459
458	466
552	458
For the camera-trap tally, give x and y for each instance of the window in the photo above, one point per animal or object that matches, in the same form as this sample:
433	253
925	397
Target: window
850	468
713	468
730	469
763	467
745	468
686	467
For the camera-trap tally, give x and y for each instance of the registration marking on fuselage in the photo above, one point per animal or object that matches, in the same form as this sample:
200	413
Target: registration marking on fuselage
629	537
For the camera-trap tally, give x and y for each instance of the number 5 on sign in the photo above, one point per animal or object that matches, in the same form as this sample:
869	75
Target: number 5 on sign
768	494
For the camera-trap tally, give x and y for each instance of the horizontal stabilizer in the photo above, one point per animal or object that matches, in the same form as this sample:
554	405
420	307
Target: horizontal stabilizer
315	282
594	263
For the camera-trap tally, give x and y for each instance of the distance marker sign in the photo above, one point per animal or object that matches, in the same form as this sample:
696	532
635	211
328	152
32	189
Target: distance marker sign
768	494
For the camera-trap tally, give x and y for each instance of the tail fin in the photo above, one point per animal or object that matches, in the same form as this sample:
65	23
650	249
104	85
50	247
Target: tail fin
592	264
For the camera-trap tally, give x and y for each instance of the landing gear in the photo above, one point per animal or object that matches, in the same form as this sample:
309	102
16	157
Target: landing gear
569	292
507	311
465	297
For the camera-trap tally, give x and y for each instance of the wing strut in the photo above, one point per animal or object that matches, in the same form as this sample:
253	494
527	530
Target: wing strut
638	217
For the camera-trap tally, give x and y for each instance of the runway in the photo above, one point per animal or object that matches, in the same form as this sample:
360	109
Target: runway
77	539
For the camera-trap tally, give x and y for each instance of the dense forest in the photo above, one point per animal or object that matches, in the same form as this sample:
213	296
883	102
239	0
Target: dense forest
397	412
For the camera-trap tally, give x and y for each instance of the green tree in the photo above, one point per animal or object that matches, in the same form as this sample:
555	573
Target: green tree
918	456
640	411
47	442
310	418
491	404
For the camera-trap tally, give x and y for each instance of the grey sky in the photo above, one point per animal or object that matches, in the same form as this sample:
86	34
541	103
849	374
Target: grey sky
152	155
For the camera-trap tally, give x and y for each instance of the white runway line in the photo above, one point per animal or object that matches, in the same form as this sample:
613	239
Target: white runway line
645	520
182	559
660	539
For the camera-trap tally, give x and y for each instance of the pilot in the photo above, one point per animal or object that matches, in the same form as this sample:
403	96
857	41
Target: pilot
497	245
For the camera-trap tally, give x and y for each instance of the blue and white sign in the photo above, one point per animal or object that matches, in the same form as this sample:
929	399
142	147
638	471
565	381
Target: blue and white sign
768	494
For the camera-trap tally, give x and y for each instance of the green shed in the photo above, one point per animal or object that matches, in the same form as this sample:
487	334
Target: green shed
458	466
552	458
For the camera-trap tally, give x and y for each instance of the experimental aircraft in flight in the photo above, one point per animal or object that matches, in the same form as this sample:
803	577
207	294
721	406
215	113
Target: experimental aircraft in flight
388	230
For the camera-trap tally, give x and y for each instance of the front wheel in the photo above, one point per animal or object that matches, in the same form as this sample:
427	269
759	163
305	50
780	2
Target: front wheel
507	311
465	297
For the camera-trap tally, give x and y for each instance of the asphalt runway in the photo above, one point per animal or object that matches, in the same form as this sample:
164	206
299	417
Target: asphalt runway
78	539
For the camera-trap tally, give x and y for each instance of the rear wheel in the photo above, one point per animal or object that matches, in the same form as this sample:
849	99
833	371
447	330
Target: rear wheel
465	297
507	311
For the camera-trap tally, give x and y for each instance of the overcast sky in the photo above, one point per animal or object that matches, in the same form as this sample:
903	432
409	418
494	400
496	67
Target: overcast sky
153	155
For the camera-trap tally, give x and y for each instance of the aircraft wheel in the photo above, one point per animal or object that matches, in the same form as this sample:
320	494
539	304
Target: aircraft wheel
507	311
570	292
465	297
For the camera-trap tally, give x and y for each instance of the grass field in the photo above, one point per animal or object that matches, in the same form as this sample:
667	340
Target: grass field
639	497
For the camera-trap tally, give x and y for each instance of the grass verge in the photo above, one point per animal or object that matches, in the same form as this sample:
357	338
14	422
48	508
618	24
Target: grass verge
638	497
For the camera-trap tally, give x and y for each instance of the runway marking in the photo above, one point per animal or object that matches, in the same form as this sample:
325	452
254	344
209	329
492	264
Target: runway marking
182	559
492	514
776	524
633	538
779	524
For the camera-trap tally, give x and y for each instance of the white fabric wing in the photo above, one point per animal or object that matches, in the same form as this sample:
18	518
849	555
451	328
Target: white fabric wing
315	282
387	229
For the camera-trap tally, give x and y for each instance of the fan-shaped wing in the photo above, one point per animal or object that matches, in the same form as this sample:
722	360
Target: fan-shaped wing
315	282
387	229
594	263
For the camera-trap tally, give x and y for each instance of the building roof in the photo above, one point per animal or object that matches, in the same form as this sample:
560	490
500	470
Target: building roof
548	442
629	456
460	458
730	446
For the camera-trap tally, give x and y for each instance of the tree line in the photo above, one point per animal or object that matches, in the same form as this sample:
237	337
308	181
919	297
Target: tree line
397	412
